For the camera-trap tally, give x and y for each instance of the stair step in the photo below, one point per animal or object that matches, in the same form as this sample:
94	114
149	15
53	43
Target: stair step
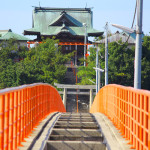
79	132
74	114
76	127
77	120
75	123
75	138
75	145
76	131
77	117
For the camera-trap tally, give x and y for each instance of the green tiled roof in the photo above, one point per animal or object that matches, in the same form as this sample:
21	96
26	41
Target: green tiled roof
71	21
50	21
8	34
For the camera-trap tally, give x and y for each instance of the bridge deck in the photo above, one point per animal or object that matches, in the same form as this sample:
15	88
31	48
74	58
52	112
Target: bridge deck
75	131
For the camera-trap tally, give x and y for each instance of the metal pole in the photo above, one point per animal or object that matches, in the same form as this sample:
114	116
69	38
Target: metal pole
65	97
96	70
138	47
91	98
85	25
106	55
99	73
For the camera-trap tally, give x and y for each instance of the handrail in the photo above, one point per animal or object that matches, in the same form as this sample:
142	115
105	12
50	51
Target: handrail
129	110
21	109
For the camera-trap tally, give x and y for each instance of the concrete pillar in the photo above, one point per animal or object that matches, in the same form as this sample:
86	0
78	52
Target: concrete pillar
91	98
65	97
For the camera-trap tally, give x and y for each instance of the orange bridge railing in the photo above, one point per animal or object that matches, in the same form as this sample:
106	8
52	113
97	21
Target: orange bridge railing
129	110
21	109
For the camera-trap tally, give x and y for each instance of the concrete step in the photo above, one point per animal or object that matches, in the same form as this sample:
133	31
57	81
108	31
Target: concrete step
76	117
78	125
69	123
75	138
79	132
77	114
78	120
75	131
74	145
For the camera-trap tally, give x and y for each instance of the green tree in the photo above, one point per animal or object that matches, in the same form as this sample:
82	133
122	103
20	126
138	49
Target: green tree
121	64
87	74
41	64
146	63
44	64
9	54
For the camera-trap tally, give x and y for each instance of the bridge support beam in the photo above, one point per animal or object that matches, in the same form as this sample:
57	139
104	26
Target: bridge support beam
65	97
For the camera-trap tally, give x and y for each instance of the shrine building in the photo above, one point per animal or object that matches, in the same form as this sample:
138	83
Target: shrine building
69	25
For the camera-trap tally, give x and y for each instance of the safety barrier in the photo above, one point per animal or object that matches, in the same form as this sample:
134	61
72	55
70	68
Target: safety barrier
129	110
21	109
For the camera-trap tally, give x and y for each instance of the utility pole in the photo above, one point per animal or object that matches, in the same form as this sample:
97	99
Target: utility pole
99	73
97	70
85	38
106	55
138	47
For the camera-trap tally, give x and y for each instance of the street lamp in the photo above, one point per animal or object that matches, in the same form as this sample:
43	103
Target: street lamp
85	38
101	70
138	46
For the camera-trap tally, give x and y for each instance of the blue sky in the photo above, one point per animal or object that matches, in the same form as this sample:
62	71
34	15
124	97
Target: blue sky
17	14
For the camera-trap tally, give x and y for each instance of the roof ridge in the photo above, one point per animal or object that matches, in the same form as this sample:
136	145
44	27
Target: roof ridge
55	8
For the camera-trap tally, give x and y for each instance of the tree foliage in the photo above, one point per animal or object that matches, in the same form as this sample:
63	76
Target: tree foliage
120	64
44	63
87	74
146	63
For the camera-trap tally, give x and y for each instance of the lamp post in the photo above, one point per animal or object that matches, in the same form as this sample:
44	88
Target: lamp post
106	55
138	47
85	38
97	71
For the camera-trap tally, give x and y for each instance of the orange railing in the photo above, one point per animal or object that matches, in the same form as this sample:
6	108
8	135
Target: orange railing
21	109
129	110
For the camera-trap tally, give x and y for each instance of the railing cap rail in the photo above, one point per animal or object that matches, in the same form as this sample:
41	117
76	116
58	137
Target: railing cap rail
139	91
18	88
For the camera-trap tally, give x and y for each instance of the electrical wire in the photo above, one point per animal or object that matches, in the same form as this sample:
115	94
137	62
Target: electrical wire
132	24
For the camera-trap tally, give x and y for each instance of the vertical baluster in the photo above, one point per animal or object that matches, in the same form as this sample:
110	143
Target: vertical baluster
2	104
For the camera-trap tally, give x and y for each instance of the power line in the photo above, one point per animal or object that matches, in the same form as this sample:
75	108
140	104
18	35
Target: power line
132	21
132	24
